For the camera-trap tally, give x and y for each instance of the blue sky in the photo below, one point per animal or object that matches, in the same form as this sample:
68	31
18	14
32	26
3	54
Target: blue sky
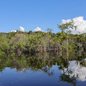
42	13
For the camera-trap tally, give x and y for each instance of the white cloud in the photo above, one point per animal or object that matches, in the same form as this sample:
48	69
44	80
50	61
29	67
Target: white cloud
13	31
78	20
21	29
37	29
80	24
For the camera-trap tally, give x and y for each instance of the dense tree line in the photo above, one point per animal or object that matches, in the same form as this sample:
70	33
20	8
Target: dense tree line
25	43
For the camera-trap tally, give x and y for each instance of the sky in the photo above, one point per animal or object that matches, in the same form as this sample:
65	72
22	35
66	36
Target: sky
38	13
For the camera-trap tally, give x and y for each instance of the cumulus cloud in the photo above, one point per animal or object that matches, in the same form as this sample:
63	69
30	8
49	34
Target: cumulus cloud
37	29
13	31
77	22
21	29
80	24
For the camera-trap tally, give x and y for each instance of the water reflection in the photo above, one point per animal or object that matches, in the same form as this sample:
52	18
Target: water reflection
75	70
75	73
42	70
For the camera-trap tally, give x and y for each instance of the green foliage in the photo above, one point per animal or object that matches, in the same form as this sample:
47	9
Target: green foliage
30	43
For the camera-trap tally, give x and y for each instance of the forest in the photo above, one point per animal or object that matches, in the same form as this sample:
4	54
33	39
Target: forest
26	43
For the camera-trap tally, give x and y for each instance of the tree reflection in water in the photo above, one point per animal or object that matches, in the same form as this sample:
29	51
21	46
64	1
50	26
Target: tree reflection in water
72	70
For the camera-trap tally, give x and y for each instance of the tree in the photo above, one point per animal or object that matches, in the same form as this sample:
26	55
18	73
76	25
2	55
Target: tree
66	27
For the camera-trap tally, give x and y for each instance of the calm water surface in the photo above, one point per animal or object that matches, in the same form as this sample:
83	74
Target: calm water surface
29	72
12	77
